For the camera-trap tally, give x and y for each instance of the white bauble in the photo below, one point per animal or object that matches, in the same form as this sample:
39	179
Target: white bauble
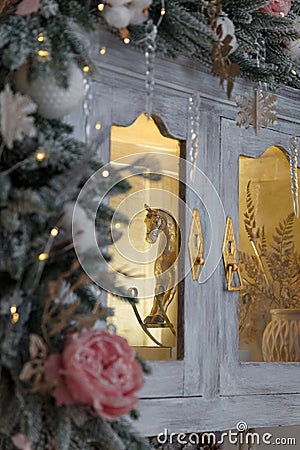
117	16
138	16
52	100
118	2
141	4
228	28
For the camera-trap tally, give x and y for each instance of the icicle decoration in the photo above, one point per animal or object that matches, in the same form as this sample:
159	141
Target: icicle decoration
294	153
87	104
150	51
193	131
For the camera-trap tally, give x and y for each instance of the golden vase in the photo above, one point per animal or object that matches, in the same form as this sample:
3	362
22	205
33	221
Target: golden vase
281	338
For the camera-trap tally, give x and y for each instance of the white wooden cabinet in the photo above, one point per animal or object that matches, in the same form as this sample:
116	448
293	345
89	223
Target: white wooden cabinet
208	389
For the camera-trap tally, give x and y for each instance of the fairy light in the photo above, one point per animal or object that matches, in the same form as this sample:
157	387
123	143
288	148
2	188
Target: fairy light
43	256
100	7
126	40
293	72
41	37
102	50
118	225
163	11
105	173
13	309
86	68
98	126
54	232
43	53
15	318
40	155
281	14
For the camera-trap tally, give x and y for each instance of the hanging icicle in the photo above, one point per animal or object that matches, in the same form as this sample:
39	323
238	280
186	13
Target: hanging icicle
87	107
150	51
294	153
193	131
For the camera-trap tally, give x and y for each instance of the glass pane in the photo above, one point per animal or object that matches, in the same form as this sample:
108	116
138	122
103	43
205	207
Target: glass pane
269	243
152	257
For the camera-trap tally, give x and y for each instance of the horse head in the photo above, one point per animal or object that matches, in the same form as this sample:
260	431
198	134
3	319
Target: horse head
155	223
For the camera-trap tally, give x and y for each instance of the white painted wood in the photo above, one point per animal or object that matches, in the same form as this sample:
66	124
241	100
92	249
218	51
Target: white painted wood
209	389
198	414
247	378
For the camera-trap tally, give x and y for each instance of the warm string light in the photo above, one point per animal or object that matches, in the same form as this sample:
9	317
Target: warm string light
43	53
15	318
100	7
126	40
41	37
163	11
293	72
102	50
43	256
118	225
105	173
98	126
40	155
54	232
281	14
86	68
14	314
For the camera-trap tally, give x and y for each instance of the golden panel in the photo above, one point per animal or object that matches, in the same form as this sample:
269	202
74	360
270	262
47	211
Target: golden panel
269	244
144	136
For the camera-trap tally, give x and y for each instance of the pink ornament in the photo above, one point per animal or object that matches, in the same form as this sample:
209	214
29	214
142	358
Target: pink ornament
98	369
20	441
27	7
277	7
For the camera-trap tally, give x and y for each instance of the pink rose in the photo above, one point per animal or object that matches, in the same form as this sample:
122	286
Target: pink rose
20	441
275	7
98	369
27	7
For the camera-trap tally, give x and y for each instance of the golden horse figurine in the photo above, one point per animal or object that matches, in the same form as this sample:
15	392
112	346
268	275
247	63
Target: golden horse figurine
158	221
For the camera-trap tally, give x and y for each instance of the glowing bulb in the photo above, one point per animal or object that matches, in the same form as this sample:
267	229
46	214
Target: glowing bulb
43	53
101	7
105	173
293	72
43	256
13	309
163	11
15	318
54	232
281	14
102	50
40	155
118	225
98	126
86	68
126	40
41	37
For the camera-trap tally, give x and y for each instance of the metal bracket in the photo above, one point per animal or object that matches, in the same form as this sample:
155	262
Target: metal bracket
230	258
196	245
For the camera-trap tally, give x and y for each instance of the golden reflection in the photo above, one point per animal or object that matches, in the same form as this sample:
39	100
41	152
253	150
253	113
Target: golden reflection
143	136
269	243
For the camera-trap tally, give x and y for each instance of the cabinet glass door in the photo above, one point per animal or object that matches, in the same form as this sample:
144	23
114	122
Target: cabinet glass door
261	357
146	244
269	243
